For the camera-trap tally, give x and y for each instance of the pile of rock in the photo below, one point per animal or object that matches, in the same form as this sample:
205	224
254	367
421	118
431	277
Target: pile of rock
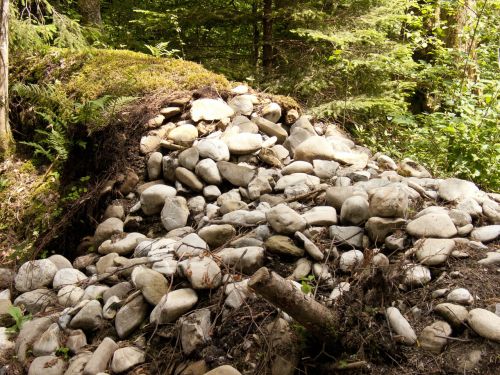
227	180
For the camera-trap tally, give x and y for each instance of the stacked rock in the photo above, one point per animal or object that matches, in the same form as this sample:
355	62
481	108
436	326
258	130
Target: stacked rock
232	187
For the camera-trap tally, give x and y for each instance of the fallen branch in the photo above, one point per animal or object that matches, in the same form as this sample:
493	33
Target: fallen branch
315	317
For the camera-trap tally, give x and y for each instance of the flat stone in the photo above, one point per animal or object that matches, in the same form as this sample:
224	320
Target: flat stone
298	167
60	262
121	246
309	246
213	148
149	143
284	220
244	143
47	365
411	168
153	198
67	276
433	251
243	217
195	330
126	358
314	147
236	174
35	274
78	363
454	189
217	235
246	259
271	129
320	216
486	234
325	169
492	258
283	245
175	213
432	225
191	245
37	300
76	340
461	296
89	317
30	332
210	110
152	284
188	178
297	179
100	358
173	305
202	272
48	342
130	316
350	236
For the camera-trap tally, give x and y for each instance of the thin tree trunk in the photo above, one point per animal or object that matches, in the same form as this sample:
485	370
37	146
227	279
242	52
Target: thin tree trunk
315	317
256	34
267	36
90	11
6	139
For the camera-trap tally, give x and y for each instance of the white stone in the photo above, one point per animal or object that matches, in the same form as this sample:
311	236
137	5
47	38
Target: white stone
320	216
210	110
485	324
417	275
202	273
350	259
213	148
454	189
173	305
153	198
402	330
35	274
126	358
67	276
433	251
461	296
432	225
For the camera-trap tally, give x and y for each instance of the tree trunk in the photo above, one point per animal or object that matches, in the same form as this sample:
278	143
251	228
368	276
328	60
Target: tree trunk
267	36
315	317
6	140
256	34
90	11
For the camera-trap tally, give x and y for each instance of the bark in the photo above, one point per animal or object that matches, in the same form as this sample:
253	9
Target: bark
256	34
6	140
315	317
267	35
90	11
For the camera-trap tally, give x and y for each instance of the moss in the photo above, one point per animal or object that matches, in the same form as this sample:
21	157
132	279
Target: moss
93	73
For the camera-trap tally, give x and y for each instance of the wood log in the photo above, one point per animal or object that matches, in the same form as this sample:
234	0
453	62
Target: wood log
319	320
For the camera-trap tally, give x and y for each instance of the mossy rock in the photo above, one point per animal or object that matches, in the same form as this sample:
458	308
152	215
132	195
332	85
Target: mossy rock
91	74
